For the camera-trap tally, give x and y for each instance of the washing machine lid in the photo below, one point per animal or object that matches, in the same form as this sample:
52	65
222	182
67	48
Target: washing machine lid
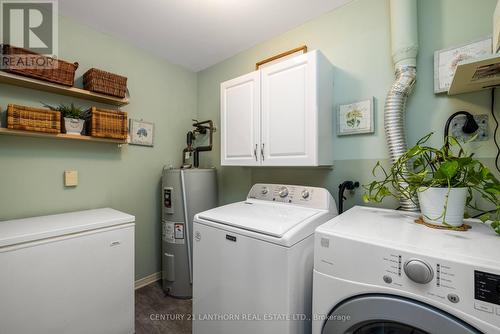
272	219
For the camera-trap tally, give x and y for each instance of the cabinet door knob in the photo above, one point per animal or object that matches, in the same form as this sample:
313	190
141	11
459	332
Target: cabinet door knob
255	152
262	151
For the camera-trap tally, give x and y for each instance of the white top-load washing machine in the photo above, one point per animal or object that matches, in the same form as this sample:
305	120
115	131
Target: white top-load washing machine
376	271
253	261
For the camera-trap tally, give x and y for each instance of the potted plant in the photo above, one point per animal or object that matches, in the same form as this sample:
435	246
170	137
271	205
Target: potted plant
73	117
445	180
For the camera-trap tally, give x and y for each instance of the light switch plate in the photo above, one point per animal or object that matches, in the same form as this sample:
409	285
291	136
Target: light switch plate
458	122
70	178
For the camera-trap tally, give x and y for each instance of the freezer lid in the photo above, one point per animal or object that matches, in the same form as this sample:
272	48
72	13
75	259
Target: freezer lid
18	231
267	218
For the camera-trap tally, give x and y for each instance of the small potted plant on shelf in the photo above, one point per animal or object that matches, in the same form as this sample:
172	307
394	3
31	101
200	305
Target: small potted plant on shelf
73	118
444	180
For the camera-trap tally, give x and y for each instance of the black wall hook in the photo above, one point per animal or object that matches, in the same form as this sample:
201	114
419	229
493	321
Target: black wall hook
346	185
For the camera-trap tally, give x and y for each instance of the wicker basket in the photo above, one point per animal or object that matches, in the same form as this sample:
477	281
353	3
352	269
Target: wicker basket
106	123
104	82
59	71
33	119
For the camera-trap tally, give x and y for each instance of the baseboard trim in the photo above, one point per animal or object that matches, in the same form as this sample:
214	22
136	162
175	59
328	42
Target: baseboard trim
142	282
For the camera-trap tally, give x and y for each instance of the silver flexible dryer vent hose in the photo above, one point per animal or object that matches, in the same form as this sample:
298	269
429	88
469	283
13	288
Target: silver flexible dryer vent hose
394	120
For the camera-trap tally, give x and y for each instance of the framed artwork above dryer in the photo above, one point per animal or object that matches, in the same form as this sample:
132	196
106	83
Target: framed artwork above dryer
447	60
356	118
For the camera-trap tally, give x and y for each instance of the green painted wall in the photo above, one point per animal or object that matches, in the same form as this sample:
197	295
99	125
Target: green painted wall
356	39
127	179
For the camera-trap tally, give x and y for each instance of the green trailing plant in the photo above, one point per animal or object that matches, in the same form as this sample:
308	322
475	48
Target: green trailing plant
69	111
422	167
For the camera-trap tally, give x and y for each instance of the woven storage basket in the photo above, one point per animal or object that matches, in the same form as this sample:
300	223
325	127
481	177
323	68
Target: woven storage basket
106	123
33	119
61	72
104	82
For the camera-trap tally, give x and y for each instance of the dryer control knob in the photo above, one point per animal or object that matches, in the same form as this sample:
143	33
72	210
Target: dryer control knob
418	271
283	192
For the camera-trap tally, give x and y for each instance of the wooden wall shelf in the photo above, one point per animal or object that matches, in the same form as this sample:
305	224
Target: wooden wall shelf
17	80
5	131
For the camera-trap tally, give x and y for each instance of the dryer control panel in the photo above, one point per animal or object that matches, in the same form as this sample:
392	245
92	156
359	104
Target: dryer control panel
312	197
468	288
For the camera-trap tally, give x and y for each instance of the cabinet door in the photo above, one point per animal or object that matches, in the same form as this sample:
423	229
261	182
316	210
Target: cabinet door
289	112
240	121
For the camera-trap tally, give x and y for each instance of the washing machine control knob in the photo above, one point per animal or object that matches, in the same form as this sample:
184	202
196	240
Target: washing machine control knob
305	194
283	192
264	191
418	271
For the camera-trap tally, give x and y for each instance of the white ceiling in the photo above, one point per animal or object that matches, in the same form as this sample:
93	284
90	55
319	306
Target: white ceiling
195	33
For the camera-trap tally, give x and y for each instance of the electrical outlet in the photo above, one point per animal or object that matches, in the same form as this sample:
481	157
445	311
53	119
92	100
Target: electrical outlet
458	122
70	178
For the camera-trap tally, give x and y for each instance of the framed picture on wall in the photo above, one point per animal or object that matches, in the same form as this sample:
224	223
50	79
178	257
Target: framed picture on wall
446	61
356	118
141	132
496	29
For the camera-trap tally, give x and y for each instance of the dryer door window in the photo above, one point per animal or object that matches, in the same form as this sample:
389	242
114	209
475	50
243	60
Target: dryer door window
384	314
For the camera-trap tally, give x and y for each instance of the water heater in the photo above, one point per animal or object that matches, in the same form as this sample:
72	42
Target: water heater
185	192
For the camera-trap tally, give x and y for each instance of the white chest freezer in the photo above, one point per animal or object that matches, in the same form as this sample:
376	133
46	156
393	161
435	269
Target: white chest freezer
68	273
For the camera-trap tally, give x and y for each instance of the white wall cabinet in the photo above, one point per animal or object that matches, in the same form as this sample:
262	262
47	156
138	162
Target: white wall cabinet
280	115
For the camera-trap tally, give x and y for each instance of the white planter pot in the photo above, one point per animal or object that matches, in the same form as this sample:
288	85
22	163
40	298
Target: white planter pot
433	205
73	126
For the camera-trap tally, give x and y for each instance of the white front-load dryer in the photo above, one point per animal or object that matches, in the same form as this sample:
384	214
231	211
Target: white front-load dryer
253	261
377	271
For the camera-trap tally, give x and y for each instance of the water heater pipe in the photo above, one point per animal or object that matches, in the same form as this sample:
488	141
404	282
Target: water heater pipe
404	44
200	128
